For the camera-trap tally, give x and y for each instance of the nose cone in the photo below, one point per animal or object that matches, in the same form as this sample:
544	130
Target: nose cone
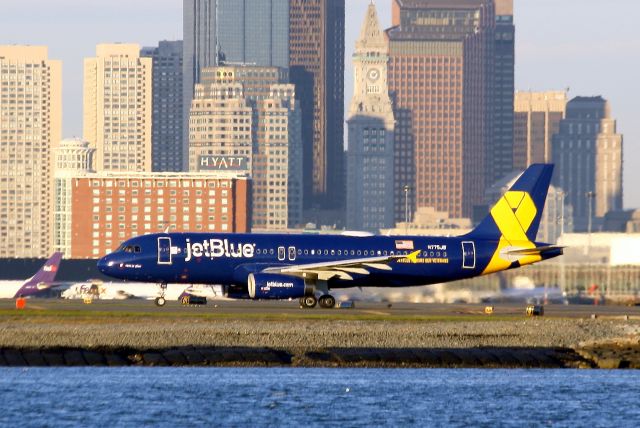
104	265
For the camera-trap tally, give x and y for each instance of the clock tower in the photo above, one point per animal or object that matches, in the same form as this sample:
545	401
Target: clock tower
371	94
371	123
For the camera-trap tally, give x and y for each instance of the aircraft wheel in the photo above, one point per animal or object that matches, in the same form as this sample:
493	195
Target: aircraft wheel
160	301
309	302
327	302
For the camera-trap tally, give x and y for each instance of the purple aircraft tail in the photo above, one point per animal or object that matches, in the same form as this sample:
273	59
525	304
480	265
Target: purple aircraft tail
43	279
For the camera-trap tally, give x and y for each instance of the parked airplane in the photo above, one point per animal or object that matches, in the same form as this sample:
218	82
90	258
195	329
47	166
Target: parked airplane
38	283
273	266
138	290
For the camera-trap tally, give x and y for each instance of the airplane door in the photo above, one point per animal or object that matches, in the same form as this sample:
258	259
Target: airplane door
468	255
292	253
282	253
164	251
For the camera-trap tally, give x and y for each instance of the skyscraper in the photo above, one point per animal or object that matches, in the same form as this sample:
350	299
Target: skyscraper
30	128
371	123
246	118
118	107
199	51
587	152
166	141
500	147
254	32
536	119
441	77
317	69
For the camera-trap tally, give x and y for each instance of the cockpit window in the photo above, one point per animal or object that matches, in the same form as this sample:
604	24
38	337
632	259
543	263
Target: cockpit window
130	248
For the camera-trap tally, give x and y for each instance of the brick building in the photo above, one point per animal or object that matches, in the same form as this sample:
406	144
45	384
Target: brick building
95	212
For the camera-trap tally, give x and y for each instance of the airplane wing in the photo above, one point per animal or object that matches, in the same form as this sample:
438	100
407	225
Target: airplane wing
341	269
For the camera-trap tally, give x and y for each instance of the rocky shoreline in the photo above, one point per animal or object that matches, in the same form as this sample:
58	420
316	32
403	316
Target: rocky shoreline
269	357
525	343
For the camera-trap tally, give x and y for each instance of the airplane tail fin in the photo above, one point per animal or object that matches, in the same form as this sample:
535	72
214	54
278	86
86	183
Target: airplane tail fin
516	215
45	276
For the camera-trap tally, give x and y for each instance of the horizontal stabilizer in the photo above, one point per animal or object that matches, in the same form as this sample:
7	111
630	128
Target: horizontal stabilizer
537	251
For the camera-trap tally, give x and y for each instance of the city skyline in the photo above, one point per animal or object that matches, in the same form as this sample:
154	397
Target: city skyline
552	59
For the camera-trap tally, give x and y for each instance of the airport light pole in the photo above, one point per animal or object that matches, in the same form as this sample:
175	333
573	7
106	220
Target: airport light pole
406	208
590	195
562	195
563	281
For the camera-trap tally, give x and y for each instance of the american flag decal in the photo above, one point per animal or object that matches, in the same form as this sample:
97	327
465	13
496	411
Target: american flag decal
404	245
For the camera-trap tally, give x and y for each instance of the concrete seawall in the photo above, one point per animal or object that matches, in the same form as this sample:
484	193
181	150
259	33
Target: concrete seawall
336	357
595	356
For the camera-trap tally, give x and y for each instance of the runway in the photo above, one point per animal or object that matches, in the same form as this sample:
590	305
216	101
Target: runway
291	309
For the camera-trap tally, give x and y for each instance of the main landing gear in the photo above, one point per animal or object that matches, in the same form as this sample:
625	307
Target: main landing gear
308	302
326	302
161	301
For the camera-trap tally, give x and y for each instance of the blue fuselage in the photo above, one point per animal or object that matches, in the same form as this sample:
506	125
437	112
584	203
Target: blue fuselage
208	258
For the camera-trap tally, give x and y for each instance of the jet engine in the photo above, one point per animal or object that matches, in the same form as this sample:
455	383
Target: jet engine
275	286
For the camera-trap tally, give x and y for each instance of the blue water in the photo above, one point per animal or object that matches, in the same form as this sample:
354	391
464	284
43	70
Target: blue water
317	397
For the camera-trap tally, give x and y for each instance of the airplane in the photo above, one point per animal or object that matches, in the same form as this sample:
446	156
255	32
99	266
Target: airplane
38	283
279	266
138	290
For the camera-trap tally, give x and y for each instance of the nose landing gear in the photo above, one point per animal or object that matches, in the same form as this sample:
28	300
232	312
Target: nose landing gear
160	300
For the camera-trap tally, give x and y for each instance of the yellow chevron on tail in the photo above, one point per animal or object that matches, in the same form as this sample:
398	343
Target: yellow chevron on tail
513	214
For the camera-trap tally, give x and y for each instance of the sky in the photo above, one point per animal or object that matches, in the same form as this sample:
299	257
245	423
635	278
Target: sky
589	46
